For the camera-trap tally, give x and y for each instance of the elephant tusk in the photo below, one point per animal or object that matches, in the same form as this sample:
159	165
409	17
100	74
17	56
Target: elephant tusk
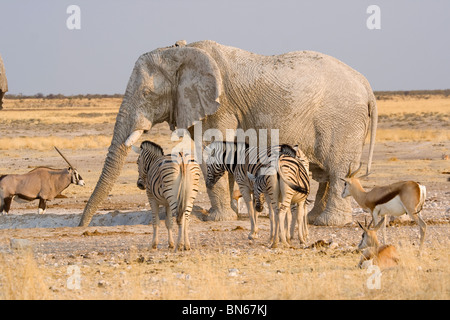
134	136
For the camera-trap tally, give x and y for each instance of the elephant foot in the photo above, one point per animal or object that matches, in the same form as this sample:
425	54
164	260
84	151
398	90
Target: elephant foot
314	214
224	213
333	218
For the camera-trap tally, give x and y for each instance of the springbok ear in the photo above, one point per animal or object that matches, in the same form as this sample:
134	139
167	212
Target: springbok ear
199	84
136	149
251	176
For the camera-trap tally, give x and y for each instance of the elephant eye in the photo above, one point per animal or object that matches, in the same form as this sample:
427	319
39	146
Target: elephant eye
148	93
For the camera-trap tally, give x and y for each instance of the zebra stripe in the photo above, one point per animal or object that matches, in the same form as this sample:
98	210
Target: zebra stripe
289	185
172	181
238	159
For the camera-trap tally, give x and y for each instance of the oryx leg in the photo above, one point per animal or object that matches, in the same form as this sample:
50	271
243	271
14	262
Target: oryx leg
7	204
42	206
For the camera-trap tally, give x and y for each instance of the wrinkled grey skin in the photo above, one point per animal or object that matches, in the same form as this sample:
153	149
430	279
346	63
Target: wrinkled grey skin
3	82
314	100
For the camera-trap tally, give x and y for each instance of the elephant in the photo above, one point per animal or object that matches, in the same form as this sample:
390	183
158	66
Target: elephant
3	82
313	100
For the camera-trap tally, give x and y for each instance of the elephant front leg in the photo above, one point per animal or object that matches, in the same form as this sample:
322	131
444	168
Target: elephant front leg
220	200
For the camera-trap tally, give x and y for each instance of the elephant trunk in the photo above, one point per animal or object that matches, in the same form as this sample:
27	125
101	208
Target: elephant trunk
123	138
111	171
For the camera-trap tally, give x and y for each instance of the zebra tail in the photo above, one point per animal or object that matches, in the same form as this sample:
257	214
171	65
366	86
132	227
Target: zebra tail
289	183
182	192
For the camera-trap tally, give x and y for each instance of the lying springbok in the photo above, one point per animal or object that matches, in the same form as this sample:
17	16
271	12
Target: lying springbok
40	183
383	256
395	199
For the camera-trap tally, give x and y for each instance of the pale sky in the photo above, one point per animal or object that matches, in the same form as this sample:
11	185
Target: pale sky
411	51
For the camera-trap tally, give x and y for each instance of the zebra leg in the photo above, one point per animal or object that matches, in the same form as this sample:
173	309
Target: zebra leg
295	220
187	244
281	217
302	222
276	235
155	222
169	219
289	223
272	208
246	195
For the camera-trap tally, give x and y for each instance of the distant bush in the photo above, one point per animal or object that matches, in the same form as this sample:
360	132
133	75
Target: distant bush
61	96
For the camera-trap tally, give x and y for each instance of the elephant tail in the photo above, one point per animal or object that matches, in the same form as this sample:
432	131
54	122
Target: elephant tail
373	114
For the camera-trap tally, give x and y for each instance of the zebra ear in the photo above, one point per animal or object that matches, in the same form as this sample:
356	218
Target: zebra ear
295	147
136	149
251	176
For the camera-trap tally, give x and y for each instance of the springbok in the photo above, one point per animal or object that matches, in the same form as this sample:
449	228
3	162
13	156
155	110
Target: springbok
395	199
40	183
383	256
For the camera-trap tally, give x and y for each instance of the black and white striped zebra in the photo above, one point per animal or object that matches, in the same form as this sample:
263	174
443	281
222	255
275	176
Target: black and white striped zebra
289	184
172	181
238	158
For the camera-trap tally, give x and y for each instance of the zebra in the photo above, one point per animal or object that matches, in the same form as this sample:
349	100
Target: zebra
237	158
172	181
288	184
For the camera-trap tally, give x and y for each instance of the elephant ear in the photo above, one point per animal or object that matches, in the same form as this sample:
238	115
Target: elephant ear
198	87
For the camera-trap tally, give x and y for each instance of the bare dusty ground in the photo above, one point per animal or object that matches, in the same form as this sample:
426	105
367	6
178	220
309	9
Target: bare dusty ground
59	246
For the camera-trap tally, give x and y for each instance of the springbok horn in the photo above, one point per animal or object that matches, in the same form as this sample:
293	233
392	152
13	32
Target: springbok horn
63	157
357	170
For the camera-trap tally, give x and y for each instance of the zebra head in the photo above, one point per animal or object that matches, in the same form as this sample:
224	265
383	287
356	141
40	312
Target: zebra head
148	152
262	182
215	167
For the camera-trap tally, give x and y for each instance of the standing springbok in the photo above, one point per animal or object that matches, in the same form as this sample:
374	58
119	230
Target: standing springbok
383	256
40	183
395	199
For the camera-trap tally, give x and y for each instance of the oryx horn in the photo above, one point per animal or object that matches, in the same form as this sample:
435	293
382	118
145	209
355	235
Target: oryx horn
63	157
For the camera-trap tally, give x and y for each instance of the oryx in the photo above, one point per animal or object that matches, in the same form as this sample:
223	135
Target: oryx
41	183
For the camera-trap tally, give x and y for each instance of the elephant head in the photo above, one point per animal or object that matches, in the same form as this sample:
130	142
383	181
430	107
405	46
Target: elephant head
180	85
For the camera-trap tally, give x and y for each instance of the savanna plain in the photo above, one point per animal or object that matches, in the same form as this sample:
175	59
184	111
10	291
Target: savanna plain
112	258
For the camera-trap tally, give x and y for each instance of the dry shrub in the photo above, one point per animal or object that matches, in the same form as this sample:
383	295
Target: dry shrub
21	277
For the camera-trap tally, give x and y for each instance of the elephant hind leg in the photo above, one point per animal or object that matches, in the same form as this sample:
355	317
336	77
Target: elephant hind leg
338	210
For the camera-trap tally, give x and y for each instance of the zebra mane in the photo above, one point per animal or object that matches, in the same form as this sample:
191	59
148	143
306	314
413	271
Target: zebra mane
152	147
288	150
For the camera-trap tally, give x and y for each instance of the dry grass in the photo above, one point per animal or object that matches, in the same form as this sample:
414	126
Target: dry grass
401	104
415	135
47	143
228	274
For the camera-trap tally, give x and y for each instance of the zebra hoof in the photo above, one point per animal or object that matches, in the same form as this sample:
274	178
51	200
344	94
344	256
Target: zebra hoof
252	236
